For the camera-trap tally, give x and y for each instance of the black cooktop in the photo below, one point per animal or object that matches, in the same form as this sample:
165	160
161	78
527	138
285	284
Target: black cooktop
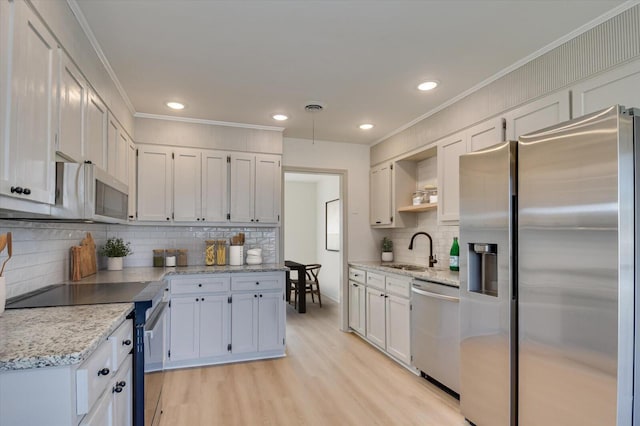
78	294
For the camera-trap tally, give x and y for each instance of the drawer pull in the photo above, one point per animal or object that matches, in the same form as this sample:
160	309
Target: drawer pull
118	387
121	384
126	342
103	372
257	282
200	285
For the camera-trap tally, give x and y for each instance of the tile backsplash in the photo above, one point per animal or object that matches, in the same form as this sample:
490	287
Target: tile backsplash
442	239
41	249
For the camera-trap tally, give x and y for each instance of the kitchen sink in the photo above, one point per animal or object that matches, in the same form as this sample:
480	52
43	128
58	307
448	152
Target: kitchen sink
414	268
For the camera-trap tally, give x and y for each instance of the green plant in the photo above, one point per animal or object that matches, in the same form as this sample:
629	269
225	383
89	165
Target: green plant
116	247
387	244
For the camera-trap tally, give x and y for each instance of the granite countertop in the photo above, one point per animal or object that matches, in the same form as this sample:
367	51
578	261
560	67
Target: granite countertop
149	273
67	335
47	337
443	276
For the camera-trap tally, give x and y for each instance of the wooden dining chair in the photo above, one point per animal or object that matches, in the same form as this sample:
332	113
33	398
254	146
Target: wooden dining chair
312	271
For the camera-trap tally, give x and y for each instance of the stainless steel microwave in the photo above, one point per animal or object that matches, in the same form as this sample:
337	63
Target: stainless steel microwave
86	192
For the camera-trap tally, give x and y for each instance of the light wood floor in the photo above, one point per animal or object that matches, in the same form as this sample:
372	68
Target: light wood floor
328	378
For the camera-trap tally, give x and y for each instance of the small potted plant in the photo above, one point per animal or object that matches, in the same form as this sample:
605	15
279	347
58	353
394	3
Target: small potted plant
387	250
115	249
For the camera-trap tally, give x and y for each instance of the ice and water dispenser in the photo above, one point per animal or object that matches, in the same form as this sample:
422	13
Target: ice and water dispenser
483	268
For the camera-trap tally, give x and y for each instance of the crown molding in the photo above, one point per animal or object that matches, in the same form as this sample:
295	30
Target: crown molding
573	34
209	122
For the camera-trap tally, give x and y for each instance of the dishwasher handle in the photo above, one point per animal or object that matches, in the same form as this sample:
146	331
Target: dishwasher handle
435	295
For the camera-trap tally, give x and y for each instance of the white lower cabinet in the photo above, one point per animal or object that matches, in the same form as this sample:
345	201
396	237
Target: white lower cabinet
199	326
398	324
380	311
357	307
123	395
241	317
376	327
97	392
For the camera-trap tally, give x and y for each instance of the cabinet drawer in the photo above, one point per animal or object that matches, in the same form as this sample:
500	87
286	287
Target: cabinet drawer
399	286
93	376
101	413
203	284
375	280
258	282
121	343
357	275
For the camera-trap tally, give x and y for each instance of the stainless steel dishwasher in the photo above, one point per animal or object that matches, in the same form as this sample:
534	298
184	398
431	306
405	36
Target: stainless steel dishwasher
435	335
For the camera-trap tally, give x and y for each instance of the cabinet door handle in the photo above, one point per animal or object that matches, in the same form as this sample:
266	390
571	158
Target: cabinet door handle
202	300
255	295
260	295
257	282
200	285
126	342
16	190
103	372
197	300
121	384
257	220
168	218
26	191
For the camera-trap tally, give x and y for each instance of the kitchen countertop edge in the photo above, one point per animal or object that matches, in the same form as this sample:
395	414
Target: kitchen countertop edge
436	275
75	346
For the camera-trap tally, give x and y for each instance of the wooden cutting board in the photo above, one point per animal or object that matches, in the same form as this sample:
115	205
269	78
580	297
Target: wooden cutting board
83	259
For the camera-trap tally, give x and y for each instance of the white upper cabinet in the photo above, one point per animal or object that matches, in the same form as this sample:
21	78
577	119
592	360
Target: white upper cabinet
255	188
449	151
242	187
380	192
187	185
97	119
485	134
117	148
610	88
155	182
267	189
215	204
30	88
72	104
200	185
132	173
390	188
536	115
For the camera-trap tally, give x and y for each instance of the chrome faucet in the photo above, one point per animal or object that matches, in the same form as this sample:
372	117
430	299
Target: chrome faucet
432	259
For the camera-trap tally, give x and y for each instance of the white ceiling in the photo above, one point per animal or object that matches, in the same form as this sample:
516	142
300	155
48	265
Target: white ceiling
242	61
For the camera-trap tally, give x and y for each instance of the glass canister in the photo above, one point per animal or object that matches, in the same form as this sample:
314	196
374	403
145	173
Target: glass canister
221	253
158	257
182	257
170	258
210	253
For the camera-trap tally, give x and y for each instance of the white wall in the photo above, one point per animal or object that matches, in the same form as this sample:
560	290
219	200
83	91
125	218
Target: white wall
328	188
354	158
300	219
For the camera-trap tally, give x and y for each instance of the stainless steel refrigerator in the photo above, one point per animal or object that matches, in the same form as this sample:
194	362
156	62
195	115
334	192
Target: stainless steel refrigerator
547	276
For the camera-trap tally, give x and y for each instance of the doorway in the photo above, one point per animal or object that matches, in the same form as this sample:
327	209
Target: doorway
313	228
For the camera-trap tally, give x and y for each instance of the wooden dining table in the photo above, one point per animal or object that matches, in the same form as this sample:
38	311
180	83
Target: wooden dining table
302	284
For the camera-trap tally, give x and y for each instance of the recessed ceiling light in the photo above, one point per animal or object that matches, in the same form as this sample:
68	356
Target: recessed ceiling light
366	126
280	117
175	105
428	85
